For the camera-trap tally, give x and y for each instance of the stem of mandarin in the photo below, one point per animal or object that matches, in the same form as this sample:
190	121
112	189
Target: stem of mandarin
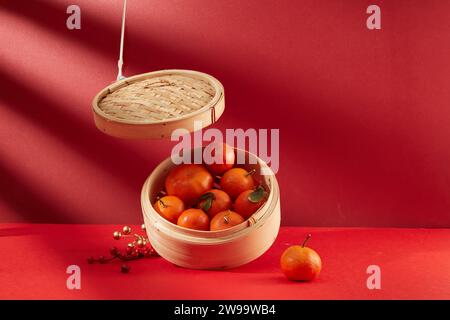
306	240
250	172
162	203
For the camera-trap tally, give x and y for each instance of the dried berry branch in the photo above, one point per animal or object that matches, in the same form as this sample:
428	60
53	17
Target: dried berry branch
137	249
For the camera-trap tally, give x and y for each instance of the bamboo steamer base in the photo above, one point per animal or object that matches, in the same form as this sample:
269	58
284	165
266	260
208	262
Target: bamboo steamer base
212	249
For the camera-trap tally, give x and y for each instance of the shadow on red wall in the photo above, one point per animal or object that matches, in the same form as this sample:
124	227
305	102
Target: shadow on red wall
362	114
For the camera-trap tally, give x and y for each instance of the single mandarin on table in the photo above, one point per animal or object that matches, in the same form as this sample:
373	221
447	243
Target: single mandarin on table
300	263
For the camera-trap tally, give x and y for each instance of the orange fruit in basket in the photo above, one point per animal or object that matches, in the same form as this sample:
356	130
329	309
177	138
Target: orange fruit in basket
237	180
225	154
249	201
300	263
188	182
169	207
214	201
225	219
194	219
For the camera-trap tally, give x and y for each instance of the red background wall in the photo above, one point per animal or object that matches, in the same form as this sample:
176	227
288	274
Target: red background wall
364	115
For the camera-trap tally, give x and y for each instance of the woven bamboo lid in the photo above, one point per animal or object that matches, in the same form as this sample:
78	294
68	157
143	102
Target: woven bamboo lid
152	105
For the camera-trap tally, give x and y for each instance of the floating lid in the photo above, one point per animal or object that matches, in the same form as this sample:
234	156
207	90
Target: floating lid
152	105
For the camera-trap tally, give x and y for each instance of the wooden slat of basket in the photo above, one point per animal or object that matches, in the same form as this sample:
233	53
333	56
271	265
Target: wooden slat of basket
158	98
149	106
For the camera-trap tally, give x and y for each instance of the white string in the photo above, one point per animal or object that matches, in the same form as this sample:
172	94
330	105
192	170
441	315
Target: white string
122	36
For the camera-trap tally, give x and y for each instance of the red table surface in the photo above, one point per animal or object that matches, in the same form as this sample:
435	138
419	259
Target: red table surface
415	264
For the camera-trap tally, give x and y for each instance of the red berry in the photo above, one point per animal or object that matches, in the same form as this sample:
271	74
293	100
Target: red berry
125	268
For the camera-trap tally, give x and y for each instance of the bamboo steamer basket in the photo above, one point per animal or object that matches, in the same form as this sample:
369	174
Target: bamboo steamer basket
213	249
152	105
